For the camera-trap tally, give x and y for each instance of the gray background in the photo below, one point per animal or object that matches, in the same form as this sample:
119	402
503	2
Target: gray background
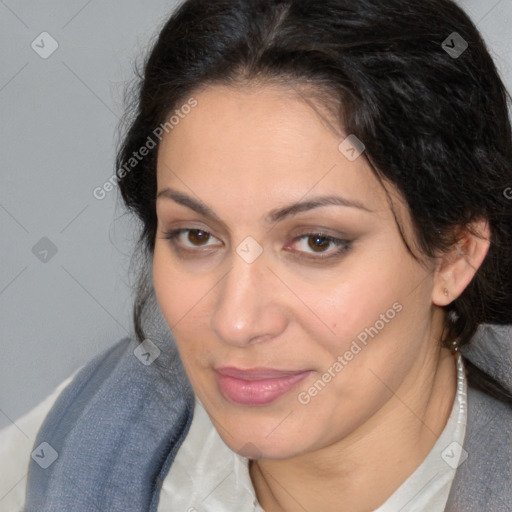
58	130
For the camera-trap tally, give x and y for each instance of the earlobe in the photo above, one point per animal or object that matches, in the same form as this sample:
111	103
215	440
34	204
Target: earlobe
457	267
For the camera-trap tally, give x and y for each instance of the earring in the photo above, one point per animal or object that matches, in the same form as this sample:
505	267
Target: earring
446	291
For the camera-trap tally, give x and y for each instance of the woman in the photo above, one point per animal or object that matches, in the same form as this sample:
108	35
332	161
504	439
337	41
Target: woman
327	237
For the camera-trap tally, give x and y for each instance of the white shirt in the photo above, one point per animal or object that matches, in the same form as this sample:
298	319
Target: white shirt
206	476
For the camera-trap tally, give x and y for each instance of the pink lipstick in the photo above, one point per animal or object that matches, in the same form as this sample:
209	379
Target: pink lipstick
256	386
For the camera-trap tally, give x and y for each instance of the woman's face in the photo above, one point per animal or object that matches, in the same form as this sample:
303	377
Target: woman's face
294	302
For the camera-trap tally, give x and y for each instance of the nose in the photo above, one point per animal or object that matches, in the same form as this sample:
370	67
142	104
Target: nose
248	308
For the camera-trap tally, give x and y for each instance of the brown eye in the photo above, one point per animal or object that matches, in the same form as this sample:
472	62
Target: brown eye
319	246
188	239
198	237
318	242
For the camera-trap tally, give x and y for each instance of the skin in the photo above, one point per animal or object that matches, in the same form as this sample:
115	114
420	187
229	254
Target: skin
245	152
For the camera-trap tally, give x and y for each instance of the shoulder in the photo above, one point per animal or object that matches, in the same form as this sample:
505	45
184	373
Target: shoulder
131	402
126	376
16	446
489	432
490	349
139	371
482	482
18	440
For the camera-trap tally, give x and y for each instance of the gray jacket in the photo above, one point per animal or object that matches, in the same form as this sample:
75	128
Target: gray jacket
118	426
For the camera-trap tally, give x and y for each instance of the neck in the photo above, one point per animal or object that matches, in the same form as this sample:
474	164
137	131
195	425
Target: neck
359	472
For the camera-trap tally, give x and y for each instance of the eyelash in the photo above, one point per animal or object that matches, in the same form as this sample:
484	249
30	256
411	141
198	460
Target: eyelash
344	245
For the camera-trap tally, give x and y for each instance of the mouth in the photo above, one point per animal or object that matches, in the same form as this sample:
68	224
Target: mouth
257	386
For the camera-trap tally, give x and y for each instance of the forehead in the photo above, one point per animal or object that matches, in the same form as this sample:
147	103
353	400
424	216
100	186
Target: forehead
264	146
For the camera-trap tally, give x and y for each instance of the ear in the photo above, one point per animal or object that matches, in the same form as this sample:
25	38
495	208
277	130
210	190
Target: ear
457	267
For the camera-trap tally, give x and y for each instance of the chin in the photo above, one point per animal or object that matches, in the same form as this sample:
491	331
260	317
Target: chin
259	437
262	449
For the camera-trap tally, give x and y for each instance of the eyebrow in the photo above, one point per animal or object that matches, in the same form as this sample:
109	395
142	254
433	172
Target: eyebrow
274	216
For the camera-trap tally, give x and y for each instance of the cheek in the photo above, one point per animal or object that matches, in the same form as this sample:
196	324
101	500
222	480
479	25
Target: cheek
368	319
174	291
177	292
167	285
184	302
334	311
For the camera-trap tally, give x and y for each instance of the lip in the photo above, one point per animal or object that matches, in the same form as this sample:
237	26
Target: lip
257	386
